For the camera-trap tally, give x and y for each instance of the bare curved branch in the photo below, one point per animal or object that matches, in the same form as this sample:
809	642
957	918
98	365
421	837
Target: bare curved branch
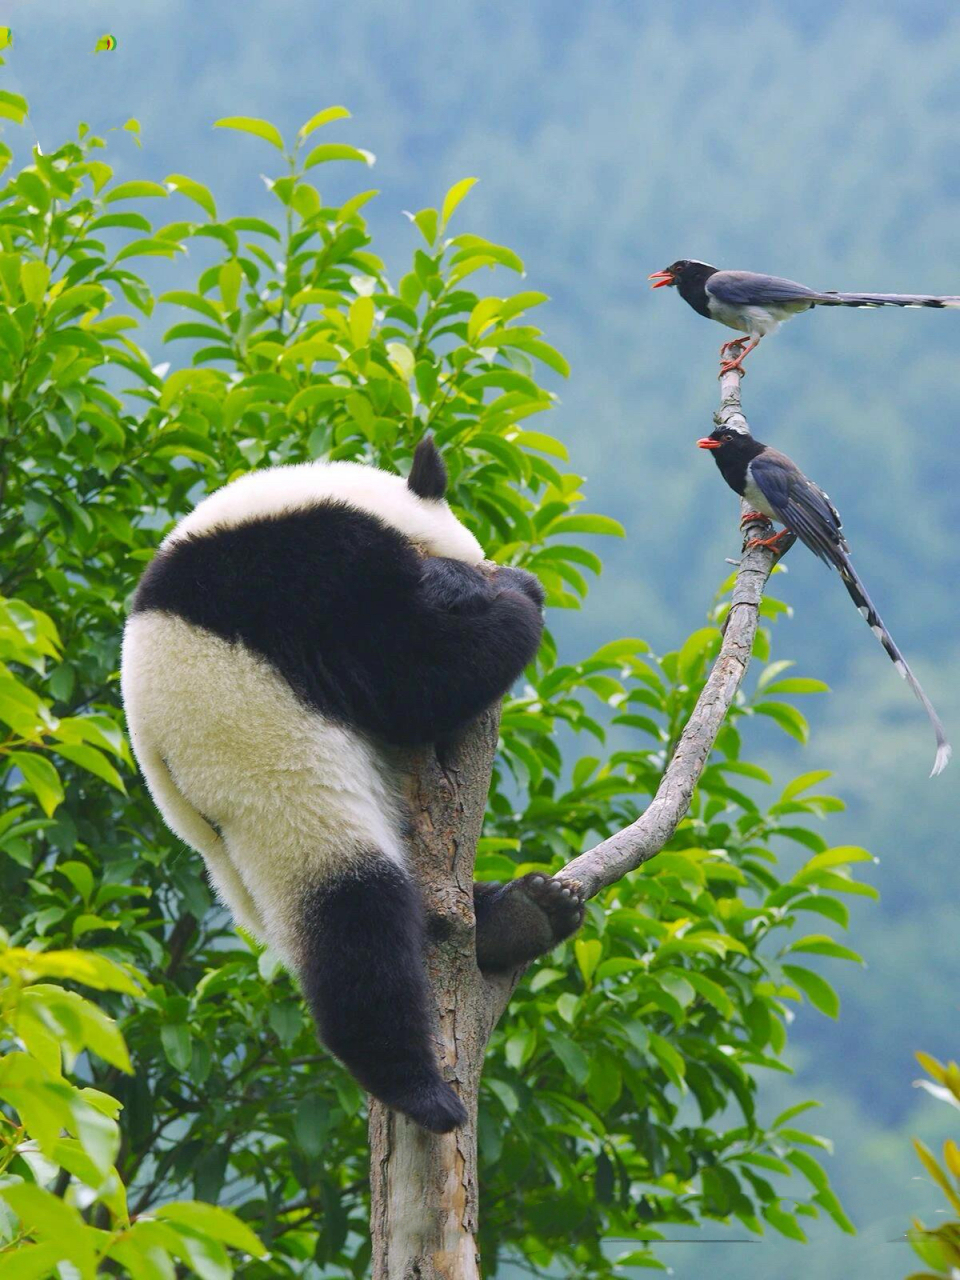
614	857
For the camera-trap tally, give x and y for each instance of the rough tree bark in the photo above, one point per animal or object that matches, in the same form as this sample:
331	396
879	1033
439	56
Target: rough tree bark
424	1192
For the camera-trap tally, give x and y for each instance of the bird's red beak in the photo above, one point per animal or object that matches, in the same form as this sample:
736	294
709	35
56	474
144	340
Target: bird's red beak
707	443
662	278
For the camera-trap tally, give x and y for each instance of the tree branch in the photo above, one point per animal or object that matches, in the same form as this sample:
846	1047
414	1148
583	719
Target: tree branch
613	858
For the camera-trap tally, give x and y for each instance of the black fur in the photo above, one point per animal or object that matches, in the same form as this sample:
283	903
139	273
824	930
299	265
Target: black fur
363	976
523	919
428	475
364	629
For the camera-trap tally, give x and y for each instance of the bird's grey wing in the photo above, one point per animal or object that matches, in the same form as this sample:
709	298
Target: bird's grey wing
751	289
799	504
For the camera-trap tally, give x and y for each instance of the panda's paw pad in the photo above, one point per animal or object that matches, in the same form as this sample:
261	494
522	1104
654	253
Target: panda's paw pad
561	902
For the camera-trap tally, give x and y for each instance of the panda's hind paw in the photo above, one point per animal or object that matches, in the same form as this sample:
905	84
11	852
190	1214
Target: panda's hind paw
560	901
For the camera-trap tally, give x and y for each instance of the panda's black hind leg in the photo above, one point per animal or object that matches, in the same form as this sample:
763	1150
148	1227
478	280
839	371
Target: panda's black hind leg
361	969
523	919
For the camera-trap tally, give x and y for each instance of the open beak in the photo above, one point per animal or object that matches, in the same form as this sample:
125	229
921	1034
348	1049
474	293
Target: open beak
707	443
662	278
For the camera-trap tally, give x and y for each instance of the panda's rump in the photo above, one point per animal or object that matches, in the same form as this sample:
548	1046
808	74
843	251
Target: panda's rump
294	795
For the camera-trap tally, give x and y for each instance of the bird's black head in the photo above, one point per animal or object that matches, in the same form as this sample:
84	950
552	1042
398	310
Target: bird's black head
683	271
729	444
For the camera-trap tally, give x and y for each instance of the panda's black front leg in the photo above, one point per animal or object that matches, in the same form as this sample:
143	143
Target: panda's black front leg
524	919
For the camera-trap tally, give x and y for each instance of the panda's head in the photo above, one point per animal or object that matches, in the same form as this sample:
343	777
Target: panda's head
415	507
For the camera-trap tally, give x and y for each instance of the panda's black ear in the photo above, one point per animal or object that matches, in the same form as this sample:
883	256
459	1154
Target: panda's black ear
428	475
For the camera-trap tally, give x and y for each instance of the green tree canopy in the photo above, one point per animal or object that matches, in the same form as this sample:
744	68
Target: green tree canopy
620	1089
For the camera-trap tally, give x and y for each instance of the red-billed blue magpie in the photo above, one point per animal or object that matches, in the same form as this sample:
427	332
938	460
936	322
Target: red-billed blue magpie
776	488
757	304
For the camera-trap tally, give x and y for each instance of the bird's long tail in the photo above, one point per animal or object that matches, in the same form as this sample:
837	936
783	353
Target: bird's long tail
832	299
858	594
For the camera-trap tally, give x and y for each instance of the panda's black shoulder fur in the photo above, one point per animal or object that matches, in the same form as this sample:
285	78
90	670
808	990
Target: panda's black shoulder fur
363	628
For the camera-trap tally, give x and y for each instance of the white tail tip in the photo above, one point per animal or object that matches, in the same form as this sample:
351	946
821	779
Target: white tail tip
944	752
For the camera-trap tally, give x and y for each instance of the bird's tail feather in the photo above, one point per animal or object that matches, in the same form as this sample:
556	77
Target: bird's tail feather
858	594
832	299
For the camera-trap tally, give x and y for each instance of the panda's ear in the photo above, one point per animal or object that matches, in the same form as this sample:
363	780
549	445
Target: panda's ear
428	475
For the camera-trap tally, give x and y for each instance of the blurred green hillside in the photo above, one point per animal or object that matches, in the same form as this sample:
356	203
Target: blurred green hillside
819	141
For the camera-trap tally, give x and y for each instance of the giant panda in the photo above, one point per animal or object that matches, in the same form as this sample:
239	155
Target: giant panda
293	628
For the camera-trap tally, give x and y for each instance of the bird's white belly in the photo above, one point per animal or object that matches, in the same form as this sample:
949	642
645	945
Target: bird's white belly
754	495
756	321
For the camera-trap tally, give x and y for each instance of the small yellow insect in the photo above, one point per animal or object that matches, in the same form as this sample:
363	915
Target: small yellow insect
105	44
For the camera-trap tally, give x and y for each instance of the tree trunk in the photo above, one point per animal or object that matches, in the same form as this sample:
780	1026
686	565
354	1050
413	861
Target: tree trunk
424	1197
424	1213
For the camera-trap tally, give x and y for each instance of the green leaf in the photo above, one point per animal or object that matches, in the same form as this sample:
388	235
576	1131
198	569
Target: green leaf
838	856
323	117
210	1220
93	761
671	1061
572	1056
792	1112
586	524
250	124
787	717
826	1198
327	151
361	320
34	278
783	1222
175	1038
797	684
323	393
310	1123
194	191
803	783
817	990
134	191
588	953
41	777
230	281
697	647
453	198
542	443
821	945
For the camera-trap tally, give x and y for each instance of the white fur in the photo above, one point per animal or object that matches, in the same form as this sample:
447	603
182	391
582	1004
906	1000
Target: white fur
219	733
427	522
221	737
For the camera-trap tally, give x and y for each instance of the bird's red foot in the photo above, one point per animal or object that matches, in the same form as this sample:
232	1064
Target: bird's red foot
727	365
772	542
752	517
735	342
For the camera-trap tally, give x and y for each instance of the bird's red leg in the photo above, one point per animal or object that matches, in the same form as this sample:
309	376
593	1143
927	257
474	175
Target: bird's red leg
771	542
737	363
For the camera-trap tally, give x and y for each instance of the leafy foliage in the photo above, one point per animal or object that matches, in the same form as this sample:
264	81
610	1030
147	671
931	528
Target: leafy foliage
939	1247
619	1064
